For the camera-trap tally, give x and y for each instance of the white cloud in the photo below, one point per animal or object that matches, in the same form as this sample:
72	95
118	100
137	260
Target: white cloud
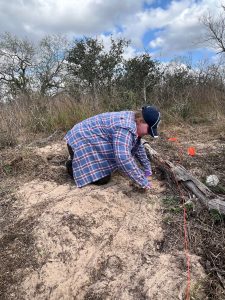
183	29
176	28
77	16
173	28
129	52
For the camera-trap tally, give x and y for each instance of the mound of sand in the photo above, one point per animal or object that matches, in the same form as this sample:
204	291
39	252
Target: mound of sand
98	242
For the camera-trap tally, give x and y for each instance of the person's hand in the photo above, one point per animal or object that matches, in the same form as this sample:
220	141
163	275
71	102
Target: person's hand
149	178
148	188
148	175
149	181
138	188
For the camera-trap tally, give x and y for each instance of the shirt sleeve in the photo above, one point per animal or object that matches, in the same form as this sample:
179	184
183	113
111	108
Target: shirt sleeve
122	145
143	159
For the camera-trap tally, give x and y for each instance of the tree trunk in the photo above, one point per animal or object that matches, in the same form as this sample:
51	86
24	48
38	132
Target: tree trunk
144	91
95	96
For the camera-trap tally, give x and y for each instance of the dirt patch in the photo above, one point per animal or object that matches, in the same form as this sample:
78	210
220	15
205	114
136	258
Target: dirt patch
109	242
99	243
46	163
17	252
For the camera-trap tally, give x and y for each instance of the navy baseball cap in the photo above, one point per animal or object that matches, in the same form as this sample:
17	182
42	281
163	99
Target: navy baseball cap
152	117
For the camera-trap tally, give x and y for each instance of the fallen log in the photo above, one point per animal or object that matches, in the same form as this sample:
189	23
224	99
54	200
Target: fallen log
180	176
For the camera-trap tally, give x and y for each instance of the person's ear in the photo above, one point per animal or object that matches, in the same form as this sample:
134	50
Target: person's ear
139	121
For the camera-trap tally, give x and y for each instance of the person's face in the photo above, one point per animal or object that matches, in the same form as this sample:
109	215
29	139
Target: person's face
142	128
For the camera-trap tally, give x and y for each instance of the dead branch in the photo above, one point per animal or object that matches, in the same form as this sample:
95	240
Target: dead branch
179	175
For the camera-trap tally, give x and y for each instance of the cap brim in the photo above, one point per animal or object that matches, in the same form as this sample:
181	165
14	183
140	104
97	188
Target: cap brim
153	131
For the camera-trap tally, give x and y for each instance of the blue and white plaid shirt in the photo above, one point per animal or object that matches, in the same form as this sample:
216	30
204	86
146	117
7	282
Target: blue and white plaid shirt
104	143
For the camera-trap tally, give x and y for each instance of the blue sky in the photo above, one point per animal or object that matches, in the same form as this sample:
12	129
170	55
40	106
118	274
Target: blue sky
154	4
164	28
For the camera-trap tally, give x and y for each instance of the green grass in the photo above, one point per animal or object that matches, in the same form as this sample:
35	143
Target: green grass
172	204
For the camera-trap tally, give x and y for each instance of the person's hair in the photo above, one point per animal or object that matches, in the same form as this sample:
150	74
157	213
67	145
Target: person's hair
138	116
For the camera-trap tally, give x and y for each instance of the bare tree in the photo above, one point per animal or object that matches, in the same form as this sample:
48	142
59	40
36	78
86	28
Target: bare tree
50	65
16	57
215	30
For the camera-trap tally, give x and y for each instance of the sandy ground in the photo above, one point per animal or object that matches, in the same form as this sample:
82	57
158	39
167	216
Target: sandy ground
96	242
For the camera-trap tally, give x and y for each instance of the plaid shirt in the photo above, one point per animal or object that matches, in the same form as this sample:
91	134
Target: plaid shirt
104	143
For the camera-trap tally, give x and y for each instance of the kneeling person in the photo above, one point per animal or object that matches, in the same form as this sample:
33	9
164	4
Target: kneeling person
106	142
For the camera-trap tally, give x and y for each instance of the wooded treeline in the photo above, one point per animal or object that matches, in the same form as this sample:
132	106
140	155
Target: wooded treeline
85	68
54	66
54	83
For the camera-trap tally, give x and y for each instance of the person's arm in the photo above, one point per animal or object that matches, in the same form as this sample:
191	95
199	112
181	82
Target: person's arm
143	159
122	144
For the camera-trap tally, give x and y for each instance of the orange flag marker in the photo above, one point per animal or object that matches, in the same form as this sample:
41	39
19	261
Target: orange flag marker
191	151
172	139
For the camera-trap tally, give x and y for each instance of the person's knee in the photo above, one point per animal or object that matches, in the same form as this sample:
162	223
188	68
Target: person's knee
70	150
69	167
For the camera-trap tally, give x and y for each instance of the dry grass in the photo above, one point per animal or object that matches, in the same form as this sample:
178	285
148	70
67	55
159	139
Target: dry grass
25	116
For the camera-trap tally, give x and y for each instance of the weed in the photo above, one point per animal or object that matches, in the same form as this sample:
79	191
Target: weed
176	210
7	169
220	189
197	291
217	217
172	204
170	201
189	206
167	220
